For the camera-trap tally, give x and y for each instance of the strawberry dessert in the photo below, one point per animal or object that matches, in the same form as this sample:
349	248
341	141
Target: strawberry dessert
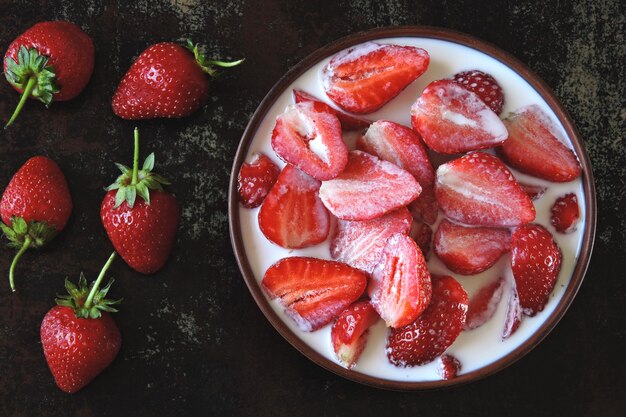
426	241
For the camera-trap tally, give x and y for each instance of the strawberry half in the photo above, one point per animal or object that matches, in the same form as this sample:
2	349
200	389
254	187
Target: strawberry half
449	367
435	330
513	314
484	86
400	287
350	330
535	192
478	189
536	262
348	123
359	243
482	306
313	291
292	215
308	136
368	188
422	234
365	77
534	148
425	208
470	250
255	180
452	119
565	213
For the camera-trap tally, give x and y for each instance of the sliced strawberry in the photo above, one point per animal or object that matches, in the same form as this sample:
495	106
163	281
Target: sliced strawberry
400	287
482	306
368	188
422	234
513	314
478	189
349	332
292	215
348	123
365	77
536	262
449	367
425	208
308	136
399	145
533	146
255	180
565	213
435	330
313	291
484	86
470	250
359	243
535	192
452	119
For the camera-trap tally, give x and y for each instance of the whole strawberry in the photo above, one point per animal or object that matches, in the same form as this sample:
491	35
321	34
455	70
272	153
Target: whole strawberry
79	337
167	80
50	61
142	229
35	206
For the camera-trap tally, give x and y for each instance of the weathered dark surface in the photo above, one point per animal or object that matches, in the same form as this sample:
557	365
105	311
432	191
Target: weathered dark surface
194	342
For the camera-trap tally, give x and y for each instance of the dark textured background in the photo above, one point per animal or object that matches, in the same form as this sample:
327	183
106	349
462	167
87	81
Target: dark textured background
194	342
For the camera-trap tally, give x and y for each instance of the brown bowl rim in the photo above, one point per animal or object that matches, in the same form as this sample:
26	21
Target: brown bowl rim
542	89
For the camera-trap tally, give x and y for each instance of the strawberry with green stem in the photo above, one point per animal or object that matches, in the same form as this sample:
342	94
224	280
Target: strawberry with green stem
143	229
79	337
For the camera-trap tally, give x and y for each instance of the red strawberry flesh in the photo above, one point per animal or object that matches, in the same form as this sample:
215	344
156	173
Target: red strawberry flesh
255	180
350	331
482	306
513	314
565	213
348	123
449	367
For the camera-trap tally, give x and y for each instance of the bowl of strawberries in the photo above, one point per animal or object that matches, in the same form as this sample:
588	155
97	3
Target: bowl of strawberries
412	208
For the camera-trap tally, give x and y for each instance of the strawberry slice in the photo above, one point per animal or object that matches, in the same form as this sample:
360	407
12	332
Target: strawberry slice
359	243
478	189
449	367
400	287
513	314
533	146
484	86
363	78
292	215
255	180
368	188
435	330
399	145
425	208
422	234
313	291
348	123
308	136
535	192
565	213
350	330
452	119
470	250
536	262
482	306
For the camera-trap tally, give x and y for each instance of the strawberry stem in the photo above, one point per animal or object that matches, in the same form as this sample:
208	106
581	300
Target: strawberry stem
32	82
18	255
96	284
136	158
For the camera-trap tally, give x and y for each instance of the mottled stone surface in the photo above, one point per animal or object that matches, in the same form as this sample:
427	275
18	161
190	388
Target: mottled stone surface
194	341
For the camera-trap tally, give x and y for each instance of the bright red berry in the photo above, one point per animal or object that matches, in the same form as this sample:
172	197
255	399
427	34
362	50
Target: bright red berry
350	330
449	367
484	86
482	306
255	180
565	213
348	123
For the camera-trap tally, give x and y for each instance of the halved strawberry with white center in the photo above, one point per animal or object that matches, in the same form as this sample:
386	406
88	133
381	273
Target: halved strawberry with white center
533	146
368	188
308	136
363	78
470	250
484	86
255	180
482	306
452	119
350	330
478	189
400	287
348	123
536	263
359	243
292	215
564	213
313	291
435	330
